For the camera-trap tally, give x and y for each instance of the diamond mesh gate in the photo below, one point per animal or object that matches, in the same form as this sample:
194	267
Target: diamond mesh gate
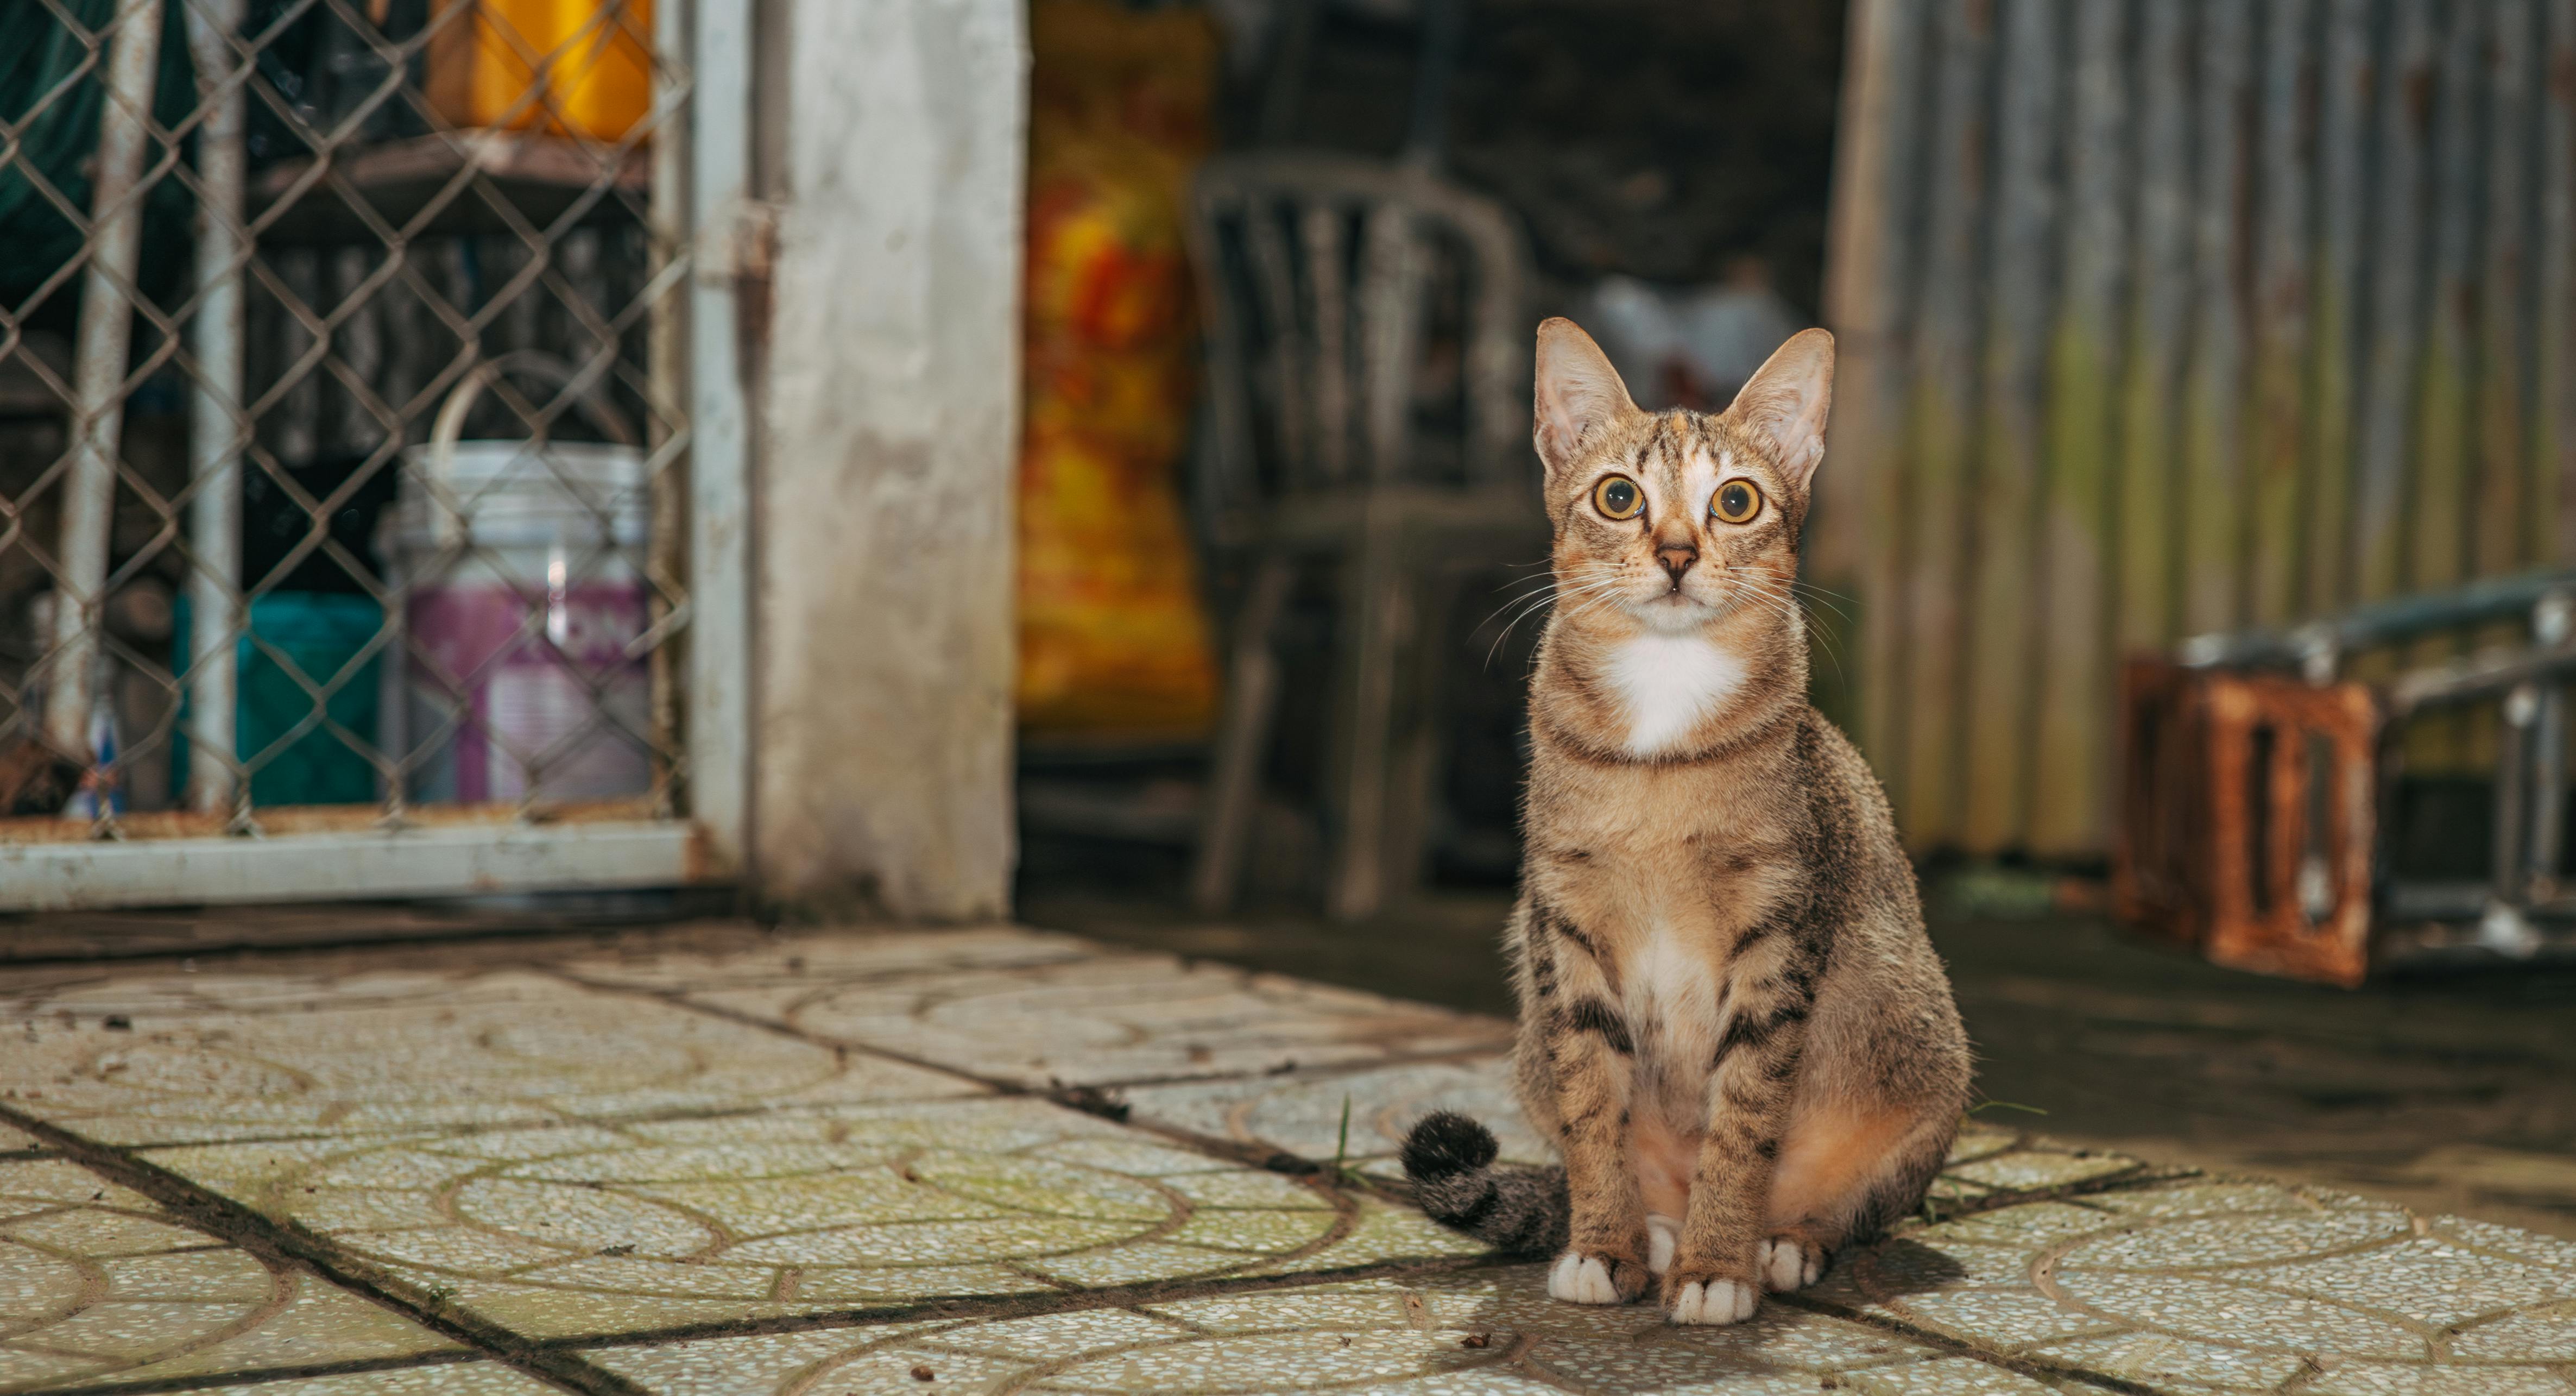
370	449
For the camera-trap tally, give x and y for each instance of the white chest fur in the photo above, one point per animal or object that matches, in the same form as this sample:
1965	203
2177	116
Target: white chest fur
1669	684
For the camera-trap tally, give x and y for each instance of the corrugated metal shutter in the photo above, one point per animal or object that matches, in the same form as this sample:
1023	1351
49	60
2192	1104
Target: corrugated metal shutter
2168	316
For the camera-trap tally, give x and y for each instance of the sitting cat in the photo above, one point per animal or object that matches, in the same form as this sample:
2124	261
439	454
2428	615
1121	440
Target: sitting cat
1731	1021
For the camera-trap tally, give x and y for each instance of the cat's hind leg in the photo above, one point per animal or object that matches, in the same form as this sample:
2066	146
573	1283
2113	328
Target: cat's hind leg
1844	1174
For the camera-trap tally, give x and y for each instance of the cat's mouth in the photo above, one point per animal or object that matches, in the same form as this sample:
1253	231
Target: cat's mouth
1673	609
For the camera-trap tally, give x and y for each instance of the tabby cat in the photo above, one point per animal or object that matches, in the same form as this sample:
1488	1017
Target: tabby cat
1731	1021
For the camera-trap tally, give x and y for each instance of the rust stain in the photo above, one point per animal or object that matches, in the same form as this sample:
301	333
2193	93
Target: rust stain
2416	89
697	861
754	293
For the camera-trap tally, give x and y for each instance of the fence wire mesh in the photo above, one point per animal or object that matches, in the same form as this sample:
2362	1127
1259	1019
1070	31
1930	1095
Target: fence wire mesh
339	430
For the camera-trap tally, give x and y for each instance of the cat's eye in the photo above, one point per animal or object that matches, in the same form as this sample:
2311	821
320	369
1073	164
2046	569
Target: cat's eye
1618	497
1737	502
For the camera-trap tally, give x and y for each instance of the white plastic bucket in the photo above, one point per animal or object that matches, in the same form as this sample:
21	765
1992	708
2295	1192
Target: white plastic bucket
524	617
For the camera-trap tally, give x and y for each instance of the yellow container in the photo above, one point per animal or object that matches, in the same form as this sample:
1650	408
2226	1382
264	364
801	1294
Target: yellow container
563	67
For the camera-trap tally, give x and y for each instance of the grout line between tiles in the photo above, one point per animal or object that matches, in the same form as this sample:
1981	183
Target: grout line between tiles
216	1381
285	1243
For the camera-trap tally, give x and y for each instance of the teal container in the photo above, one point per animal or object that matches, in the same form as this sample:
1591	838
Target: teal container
322	632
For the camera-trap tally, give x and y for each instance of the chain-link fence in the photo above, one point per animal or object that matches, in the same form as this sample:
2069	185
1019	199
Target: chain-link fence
342	415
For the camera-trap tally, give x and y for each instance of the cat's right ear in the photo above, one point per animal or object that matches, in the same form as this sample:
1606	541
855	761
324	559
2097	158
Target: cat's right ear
1579	393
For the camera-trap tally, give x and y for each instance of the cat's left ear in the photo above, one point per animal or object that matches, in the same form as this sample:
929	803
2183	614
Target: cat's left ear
1785	403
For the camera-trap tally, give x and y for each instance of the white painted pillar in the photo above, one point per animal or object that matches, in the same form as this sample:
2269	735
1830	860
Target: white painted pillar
889	431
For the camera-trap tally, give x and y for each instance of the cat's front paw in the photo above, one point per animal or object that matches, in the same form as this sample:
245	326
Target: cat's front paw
1790	1263
1710	1299
1581	1278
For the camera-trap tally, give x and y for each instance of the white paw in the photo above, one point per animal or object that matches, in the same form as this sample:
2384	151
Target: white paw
1581	1279
1662	1234
1718	1301
1786	1264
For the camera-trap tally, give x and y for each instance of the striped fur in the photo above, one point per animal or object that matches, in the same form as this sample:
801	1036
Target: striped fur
1733	1026
1518	1211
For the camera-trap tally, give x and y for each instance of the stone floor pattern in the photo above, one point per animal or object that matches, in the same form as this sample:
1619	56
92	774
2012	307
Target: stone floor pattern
1002	1160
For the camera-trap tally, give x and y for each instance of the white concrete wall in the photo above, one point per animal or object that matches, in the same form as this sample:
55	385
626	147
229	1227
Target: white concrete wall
889	392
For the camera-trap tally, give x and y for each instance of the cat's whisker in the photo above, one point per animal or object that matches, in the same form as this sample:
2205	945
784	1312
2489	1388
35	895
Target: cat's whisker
1534	588
1822	598
1549	592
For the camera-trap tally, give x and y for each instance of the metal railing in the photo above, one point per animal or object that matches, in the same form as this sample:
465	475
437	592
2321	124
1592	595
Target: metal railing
2264	809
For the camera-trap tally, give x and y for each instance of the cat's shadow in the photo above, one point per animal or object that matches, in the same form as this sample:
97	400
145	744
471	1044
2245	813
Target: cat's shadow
1903	1266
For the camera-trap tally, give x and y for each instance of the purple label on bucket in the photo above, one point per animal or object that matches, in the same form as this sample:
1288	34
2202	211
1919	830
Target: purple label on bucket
509	672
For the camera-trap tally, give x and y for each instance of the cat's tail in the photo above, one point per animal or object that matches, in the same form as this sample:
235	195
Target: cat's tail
1519	1211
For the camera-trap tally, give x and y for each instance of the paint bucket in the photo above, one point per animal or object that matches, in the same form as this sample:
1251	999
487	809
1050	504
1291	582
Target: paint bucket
526	678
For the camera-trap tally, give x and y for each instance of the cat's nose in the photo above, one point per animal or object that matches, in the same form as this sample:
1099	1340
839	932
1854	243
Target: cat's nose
1677	559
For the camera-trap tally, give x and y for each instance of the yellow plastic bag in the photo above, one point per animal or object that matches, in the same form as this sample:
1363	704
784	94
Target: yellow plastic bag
1113	635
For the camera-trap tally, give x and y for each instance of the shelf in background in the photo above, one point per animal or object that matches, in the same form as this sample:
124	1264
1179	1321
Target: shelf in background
540	176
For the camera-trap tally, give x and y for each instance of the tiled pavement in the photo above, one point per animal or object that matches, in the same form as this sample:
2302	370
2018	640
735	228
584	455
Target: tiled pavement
1001	1160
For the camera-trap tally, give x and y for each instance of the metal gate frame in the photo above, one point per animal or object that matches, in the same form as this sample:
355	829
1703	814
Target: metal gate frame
709	211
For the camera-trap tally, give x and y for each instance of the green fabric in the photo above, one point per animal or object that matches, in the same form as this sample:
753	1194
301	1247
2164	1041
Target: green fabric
38	54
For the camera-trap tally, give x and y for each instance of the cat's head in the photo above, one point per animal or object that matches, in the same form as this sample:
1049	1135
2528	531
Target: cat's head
1677	521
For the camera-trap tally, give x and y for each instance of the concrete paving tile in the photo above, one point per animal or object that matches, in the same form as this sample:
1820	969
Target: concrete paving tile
2033	1168
2384	1379
1931	1259
588	1230
850	954
97	1284
592	1161
1302	1113
456	1379
1381	1233
2427	1281
2190	1285
2193	1198
2194	1306
1084	1014
1261	1362
2212	1243
1255	1231
2548	1335
2009	1319
1235	1187
497	1049
1952	1376
860	1286
2160	1359
1978	1139
2032	1224
864	1362
2527	1246
1370	1335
